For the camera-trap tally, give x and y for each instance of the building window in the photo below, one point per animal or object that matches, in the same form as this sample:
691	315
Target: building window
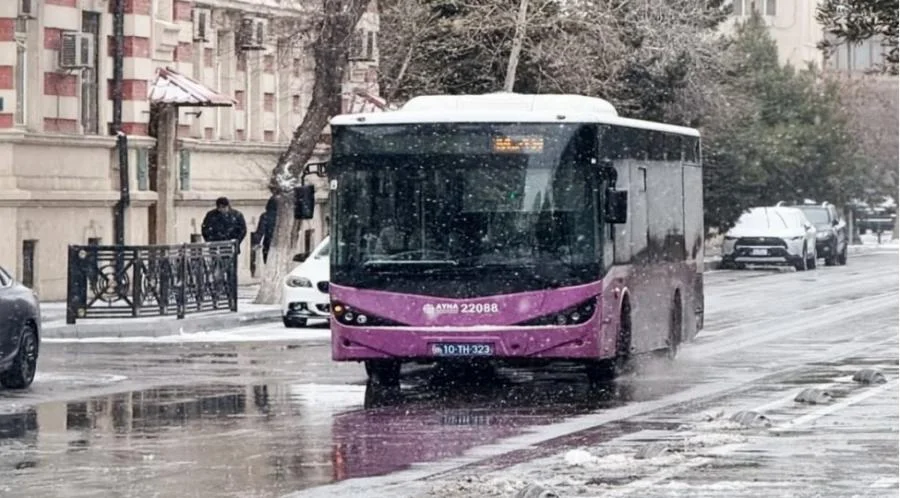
21	70
184	169
90	77
143	169
29	263
770	7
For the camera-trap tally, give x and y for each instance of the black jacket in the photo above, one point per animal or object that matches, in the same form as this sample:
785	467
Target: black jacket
218	227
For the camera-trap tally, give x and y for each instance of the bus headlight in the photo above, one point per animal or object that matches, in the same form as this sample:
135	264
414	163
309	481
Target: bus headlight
348	316
574	315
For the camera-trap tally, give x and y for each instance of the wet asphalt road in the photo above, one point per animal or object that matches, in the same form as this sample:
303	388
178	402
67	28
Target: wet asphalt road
265	418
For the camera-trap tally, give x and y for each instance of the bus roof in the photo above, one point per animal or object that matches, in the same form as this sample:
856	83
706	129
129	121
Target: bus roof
506	108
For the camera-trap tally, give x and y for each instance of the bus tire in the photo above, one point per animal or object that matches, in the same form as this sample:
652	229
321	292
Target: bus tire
383	373
602	371
676	327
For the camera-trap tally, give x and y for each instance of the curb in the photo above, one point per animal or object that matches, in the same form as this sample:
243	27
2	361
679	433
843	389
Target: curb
159	327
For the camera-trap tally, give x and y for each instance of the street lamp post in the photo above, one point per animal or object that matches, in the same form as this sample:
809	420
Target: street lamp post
121	138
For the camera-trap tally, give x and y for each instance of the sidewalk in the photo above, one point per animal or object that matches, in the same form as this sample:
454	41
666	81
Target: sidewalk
54	326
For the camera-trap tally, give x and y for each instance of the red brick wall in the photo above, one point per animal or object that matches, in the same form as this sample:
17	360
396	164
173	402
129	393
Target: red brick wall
134	128
132	46
58	125
60	84
7	29
131	89
6	77
182	10
52	38
184	52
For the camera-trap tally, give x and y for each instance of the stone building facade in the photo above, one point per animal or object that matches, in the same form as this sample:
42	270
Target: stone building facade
59	173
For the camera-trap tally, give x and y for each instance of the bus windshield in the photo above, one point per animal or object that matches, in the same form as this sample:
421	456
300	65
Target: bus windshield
428	199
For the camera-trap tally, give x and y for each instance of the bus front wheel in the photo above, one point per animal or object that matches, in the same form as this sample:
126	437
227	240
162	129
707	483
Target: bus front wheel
600	371
384	373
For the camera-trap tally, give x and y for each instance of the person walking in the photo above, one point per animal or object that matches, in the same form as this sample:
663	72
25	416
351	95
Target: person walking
224	223
265	230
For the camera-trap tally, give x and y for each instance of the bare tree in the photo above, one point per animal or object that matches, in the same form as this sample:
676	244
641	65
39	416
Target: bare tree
872	105
580	46
333	35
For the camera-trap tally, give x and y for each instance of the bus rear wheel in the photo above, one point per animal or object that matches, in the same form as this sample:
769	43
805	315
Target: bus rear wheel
676	328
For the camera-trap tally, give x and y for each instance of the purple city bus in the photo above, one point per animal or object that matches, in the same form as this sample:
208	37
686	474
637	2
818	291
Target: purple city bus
512	228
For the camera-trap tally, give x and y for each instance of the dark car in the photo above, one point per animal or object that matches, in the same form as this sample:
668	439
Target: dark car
832	234
20	319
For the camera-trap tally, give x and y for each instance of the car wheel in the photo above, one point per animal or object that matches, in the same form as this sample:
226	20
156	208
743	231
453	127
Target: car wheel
21	373
294	323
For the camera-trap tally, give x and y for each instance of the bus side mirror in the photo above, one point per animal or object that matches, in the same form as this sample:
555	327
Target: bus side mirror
616	209
304	202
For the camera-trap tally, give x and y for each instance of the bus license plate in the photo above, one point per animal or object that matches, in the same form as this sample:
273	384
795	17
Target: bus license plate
450	349
760	252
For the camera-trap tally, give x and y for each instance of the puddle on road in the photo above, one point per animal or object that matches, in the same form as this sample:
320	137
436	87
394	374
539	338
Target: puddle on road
266	440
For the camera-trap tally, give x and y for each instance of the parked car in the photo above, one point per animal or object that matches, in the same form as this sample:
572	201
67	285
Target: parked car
771	236
306	288
20	330
832	234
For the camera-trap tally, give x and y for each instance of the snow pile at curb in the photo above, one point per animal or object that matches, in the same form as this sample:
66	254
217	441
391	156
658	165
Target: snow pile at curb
595	470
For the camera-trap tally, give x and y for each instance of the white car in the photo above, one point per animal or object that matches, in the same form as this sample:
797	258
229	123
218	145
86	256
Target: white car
771	236
306	289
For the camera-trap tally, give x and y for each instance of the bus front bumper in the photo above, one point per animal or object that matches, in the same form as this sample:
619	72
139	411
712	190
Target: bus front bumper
578	342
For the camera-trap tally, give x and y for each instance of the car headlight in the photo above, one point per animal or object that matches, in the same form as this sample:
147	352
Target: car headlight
823	235
297	282
801	237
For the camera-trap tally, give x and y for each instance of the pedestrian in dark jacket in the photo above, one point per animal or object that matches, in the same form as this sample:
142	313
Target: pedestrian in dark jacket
265	229
224	223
